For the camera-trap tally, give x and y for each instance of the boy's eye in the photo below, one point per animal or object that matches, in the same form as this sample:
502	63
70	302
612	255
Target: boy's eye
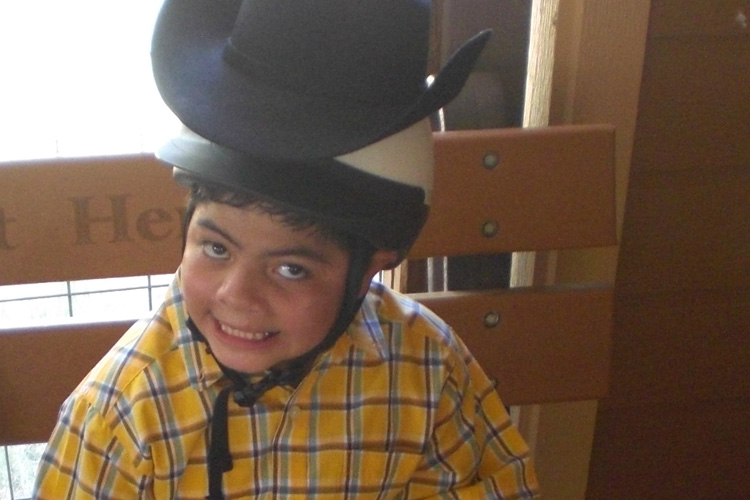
292	271
214	250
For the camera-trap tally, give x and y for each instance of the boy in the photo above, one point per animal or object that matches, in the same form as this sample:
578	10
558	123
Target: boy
274	367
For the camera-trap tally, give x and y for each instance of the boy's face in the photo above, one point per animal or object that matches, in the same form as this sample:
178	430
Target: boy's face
260	291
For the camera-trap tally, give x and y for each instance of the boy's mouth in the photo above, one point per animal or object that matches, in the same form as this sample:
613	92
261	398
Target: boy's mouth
255	336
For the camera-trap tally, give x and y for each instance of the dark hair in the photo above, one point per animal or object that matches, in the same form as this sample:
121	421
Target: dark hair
203	191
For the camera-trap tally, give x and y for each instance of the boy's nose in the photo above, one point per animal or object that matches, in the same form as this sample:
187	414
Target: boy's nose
243	289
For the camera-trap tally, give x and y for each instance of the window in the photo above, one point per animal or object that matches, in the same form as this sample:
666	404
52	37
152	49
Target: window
77	78
17	466
86	300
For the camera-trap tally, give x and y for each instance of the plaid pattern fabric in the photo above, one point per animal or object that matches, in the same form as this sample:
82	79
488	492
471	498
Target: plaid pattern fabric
396	409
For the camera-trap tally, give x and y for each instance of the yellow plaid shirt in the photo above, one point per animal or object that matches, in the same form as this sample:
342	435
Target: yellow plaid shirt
396	409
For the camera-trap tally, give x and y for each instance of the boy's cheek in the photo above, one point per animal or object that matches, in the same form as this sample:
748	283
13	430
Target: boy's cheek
193	262
195	280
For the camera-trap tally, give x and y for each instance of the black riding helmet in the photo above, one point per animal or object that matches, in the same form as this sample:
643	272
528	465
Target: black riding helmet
318	105
379	193
344	193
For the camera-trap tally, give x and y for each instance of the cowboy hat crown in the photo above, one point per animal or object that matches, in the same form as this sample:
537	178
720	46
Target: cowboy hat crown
301	79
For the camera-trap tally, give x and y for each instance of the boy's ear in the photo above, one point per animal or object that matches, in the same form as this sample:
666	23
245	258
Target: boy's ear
380	260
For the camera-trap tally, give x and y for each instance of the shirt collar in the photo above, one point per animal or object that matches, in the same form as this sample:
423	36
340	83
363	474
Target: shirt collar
367	330
202	368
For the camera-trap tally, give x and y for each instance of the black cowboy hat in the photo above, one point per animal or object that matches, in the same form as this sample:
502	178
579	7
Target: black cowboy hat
301	79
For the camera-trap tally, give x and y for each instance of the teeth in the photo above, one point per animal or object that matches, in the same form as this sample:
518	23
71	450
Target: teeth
234	332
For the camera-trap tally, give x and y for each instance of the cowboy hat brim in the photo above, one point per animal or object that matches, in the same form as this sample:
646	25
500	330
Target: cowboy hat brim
229	107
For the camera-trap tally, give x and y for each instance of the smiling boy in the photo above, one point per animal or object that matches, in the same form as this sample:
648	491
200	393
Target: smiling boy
261	292
275	367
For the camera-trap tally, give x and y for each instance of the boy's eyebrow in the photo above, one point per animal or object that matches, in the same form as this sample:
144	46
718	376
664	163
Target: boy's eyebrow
211	226
299	251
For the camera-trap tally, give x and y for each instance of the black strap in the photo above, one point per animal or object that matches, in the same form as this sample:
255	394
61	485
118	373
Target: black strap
219	458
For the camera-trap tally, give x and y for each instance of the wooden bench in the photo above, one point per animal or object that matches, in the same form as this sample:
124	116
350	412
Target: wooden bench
496	191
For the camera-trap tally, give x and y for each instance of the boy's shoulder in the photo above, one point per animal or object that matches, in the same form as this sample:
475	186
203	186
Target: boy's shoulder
395	306
409	329
401	320
153	358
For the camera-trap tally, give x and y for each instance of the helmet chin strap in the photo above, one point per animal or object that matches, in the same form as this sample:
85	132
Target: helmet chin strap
290	373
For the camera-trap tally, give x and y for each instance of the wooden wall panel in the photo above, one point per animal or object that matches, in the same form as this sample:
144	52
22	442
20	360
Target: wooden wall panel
674	424
680	348
694	111
695	17
686	230
658	452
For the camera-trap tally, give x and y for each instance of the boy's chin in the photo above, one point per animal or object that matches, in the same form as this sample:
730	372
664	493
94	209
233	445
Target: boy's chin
245	367
236	362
